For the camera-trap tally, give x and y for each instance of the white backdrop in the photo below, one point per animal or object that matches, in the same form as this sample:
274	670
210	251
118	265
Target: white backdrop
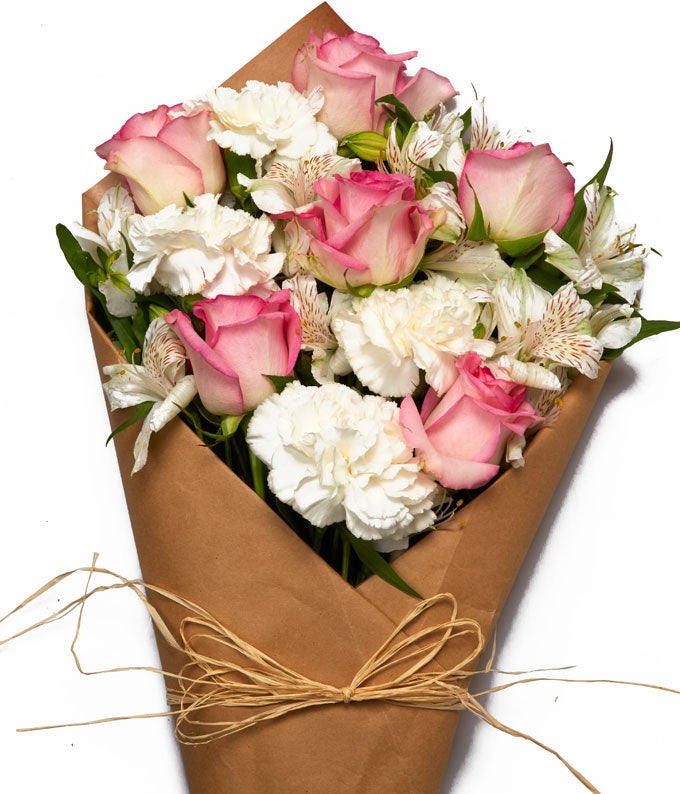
600	587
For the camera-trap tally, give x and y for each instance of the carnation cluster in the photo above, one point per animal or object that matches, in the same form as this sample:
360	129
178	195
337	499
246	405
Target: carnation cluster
364	297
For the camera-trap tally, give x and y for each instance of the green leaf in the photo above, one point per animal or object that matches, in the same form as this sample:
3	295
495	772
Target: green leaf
649	328
605	292
89	274
240	164
549	281
433	176
477	230
280	381
401	113
571	231
377	564
466	118
526	261
521	247
86	270
141	411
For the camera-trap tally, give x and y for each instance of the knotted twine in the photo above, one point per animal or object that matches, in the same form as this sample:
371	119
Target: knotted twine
209	681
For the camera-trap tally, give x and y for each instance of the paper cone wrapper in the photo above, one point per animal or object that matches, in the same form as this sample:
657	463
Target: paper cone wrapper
203	534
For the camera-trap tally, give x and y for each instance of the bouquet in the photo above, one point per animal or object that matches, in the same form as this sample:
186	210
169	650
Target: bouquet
366	302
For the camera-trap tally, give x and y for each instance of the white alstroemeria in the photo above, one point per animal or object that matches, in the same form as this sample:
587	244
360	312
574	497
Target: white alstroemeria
288	186
335	455
292	242
485	134
585	275
548	402
442	204
115	211
451	155
612	248
391	335
606	253
159	379
614	325
537	330
477	265
261	119
206	249
317	337
420	145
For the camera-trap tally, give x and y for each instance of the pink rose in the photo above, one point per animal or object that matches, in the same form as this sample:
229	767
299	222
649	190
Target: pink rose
366	228
246	339
354	71
461	437
523	191
161	158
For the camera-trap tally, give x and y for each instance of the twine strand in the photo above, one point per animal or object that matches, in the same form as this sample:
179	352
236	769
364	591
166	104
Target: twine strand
236	675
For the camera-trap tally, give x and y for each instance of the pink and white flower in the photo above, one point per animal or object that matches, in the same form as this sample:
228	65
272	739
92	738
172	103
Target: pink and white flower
353	72
246	339
366	228
164	157
462	436
522	192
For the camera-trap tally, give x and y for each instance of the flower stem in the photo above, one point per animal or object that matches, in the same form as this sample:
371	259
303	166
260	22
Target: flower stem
257	470
344	570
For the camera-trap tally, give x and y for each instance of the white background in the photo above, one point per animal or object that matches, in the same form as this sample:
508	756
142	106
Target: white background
600	587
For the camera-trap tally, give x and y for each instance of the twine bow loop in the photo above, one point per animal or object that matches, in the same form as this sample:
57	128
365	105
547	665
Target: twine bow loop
237	675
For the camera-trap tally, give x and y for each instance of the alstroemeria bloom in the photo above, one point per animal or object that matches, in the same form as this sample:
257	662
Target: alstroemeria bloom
316	335
538	330
391	336
522	192
367	228
163	157
607	252
159	379
204	250
354	71
462	436
477	265
287	186
335	455
115	212
246	339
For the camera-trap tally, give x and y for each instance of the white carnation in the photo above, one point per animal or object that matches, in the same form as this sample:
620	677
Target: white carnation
335	455
206	249
391	335
262	119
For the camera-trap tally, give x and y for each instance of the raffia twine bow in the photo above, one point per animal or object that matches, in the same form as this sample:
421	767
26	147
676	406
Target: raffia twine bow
208	682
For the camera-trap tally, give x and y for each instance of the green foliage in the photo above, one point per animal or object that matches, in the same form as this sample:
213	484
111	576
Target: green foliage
240	164
649	328
141	411
573	228
399	115
89	273
376	563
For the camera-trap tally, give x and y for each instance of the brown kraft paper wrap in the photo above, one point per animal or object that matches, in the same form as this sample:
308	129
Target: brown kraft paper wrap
203	534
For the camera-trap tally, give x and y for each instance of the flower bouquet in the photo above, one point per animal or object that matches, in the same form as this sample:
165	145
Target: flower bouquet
349	310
